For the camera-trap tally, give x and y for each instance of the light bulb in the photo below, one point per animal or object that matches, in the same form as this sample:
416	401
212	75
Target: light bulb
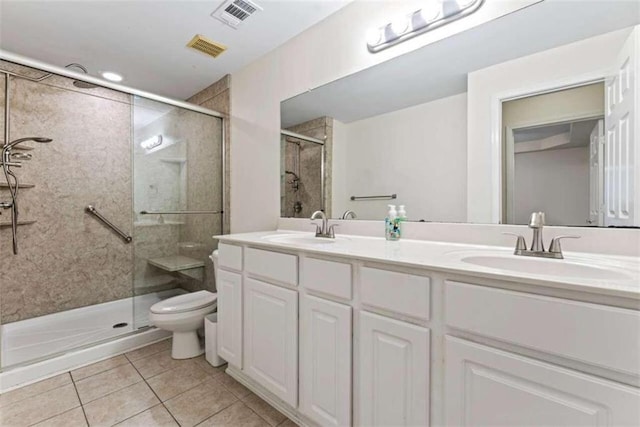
400	26
374	37
431	11
463	4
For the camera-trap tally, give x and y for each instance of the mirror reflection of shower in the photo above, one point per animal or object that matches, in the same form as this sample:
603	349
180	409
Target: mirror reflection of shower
302	171
295	181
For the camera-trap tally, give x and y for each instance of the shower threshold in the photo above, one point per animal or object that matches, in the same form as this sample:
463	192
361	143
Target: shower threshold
41	337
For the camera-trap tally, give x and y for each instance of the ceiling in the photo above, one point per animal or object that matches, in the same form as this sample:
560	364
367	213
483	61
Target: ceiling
440	69
145	40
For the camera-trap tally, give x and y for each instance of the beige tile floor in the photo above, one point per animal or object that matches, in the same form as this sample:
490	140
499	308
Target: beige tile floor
145	388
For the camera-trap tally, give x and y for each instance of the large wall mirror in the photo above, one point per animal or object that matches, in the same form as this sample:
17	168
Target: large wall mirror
534	111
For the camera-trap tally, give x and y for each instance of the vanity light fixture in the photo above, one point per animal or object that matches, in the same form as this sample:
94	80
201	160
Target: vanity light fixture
436	13
151	143
111	76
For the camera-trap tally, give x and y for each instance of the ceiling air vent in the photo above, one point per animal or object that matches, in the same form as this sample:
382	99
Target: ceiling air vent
206	46
235	12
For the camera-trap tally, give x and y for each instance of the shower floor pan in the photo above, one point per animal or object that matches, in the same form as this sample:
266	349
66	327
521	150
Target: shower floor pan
39	337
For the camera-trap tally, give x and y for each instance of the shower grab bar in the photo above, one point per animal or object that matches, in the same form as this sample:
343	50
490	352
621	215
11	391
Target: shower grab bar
92	210
390	196
179	212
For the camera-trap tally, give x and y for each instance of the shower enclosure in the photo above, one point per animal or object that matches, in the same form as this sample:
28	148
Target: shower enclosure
302	187
150	167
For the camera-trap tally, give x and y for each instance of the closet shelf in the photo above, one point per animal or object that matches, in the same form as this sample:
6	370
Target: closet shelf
176	263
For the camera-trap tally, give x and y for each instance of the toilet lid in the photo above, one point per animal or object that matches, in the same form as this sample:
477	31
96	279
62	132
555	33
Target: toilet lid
186	302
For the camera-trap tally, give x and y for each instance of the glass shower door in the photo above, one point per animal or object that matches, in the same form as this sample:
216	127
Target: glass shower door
178	201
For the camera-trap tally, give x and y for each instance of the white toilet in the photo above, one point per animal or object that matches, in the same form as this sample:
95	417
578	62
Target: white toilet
184	315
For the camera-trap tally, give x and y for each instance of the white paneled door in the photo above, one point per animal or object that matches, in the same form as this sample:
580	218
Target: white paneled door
489	387
325	361
621	156
271	338
596	175
229	288
393	372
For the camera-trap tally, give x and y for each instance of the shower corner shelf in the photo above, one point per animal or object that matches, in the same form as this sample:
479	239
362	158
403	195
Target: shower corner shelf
178	160
22	147
20	222
176	263
20	185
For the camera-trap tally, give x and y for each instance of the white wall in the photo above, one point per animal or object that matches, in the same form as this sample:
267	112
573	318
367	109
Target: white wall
418	153
583	60
555	182
332	49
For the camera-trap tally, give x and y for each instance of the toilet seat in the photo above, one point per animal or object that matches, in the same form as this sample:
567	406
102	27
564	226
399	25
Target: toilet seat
185	303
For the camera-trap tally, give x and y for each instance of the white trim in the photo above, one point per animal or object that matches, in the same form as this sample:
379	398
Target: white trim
28	62
301	136
496	125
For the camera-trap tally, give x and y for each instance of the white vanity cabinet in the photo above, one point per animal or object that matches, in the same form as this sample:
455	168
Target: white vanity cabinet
490	387
325	361
271	338
339	340
393	372
229	287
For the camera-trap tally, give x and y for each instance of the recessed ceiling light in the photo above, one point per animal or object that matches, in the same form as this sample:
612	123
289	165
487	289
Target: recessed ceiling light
111	76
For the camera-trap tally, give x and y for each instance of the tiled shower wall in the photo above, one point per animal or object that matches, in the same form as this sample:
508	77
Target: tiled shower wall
310	189
184	176
67	259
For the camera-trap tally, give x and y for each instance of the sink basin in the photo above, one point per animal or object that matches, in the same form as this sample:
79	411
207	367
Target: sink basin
304	239
562	268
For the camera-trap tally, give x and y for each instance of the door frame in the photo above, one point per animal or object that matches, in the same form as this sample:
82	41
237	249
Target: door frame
498	179
508	165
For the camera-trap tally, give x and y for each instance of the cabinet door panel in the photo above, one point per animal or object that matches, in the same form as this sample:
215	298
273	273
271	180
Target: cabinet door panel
393	372
229	288
271	338
486	386
325	361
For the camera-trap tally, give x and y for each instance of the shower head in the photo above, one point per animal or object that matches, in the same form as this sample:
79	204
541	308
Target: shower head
79	83
30	138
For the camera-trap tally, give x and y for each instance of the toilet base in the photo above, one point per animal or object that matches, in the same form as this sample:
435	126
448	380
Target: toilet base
186	345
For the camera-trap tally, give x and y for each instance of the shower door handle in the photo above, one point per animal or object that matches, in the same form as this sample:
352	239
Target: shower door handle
124	236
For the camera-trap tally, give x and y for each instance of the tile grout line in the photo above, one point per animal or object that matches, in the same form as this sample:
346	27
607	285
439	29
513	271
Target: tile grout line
80	401
256	412
113	391
155	394
100	372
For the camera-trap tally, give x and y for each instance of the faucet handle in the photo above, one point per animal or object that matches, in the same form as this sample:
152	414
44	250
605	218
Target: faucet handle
318	228
554	246
521	245
331	232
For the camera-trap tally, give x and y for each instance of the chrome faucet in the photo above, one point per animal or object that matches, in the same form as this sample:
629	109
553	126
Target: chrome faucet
325	230
348	214
536	223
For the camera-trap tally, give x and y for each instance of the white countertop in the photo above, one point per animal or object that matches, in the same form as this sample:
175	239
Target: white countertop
448	257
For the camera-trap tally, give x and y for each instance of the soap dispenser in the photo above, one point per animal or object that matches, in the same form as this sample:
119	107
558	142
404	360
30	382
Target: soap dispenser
392	224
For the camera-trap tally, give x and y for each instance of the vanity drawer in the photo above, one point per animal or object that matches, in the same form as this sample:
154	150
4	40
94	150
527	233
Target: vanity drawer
272	265
328	277
600	335
401	293
230	256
